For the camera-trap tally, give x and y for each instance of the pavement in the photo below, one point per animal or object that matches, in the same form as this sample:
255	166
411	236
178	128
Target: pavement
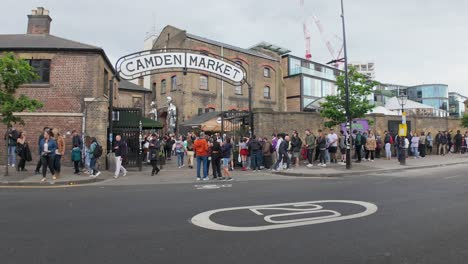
420	218
171	174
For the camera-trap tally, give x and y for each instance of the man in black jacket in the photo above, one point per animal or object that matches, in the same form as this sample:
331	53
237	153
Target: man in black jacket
255	150
282	152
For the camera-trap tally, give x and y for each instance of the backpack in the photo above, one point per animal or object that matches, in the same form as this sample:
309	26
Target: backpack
391	140
358	139
97	151
178	147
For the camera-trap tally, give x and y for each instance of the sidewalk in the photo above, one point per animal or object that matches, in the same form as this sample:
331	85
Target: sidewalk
378	166
171	174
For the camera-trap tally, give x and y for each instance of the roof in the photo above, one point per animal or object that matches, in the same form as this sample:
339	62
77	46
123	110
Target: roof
198	120
46	42
383	110
393	104
126	85
41	41
231	47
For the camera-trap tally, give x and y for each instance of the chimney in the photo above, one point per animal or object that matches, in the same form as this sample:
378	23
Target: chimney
39	21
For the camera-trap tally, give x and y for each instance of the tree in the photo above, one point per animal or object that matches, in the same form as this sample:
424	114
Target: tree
360	87
464	121
13	73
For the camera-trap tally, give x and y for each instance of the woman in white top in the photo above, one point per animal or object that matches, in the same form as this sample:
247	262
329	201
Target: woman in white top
415	145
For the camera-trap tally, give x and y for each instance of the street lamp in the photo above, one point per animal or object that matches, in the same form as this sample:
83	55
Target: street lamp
402	99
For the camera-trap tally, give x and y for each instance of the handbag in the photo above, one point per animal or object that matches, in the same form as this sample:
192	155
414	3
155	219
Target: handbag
239	159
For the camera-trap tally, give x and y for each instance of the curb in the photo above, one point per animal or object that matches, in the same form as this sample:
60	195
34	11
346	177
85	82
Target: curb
52	183
351	173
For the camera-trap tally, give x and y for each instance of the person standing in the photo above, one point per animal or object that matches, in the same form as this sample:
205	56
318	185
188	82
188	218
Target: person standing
87	155
190	152
216	158
76	158
77	140
358	145
47	148
422	145
322	146
342	145
226	150
120	150
282	151
154	150
92	155
39	162
23	151
255	150
201	151
59	152
243	152
415	145
333	145
429	142
371	145
388	141
296	146
457	142
443	143
12	137
310	145
267	152
179	150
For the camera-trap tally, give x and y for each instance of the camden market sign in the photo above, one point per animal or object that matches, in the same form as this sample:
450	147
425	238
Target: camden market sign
158	61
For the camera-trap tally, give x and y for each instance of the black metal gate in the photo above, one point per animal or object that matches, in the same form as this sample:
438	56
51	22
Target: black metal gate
126	124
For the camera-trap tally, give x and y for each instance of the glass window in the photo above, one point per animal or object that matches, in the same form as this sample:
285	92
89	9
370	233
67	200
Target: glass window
266	92
312	87
42	68
294	66
163	86
173	83
238	89
266	72
203	82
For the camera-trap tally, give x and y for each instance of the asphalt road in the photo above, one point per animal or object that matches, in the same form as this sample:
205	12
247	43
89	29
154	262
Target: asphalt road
421	218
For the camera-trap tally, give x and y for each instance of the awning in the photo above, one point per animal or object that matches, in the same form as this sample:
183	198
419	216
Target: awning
131	119
214	125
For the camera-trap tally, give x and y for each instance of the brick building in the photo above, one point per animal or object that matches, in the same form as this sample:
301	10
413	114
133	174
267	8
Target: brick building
73	84
194	94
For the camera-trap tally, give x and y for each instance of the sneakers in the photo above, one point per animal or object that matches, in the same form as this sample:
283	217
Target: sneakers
98	173
116	176
229	179
198	179
310	165
54	177
43	179
206	178
125	174
182	166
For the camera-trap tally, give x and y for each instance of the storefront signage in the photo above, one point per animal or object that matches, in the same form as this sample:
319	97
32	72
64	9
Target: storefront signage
149	62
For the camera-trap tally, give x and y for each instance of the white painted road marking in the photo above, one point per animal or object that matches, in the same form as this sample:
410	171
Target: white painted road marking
212	186
301	208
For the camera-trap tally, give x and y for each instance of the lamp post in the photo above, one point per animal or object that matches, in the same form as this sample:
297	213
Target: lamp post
402	99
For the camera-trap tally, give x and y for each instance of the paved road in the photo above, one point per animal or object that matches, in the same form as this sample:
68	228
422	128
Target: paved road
421	218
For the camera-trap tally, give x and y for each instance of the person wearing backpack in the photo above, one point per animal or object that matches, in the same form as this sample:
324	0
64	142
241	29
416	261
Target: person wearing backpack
358	145
120	150
179	150
95	151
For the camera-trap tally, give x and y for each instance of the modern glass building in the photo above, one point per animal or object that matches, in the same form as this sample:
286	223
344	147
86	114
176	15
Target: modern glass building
456	104
307	82
435	95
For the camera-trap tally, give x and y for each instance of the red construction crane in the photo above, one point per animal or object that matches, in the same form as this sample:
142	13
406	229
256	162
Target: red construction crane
306	31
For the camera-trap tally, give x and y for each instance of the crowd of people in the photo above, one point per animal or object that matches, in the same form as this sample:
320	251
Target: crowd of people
51	147
282	151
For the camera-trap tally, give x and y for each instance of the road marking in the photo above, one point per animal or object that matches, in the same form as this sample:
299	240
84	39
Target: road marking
211	186
293	209
454	176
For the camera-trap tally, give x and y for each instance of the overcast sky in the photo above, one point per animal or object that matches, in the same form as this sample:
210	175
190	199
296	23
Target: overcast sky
411	42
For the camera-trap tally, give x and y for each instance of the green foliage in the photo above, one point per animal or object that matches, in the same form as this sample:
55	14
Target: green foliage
360	87
13	73
464	121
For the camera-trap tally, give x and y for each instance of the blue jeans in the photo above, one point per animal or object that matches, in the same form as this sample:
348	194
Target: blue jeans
255	160
12	155
180	158
203	159
92	166
415	151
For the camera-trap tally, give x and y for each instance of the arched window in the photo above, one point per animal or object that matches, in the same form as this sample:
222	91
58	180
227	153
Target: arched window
163	86
266	72
204	82
266	92
173	83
